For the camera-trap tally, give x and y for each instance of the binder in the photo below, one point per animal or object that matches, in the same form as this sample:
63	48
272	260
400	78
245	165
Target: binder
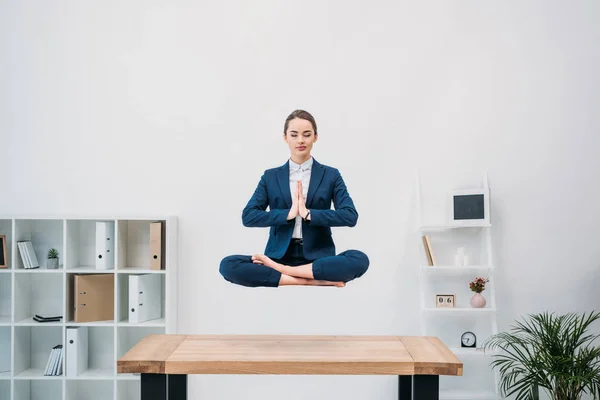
156	245
144	297
77	350
94	297
105	245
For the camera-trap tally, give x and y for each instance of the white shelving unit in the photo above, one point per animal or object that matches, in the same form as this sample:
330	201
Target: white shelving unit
25	344
479	381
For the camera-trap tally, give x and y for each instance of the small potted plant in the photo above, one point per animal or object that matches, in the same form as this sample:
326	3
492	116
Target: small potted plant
52	259
478	286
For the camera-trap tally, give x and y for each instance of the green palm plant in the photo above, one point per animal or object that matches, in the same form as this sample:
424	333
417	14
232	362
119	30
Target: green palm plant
550	352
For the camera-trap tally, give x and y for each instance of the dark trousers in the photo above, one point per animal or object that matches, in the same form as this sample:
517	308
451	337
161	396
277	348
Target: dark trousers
344	267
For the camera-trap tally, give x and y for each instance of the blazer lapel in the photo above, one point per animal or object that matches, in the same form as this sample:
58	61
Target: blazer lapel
316	175
283	178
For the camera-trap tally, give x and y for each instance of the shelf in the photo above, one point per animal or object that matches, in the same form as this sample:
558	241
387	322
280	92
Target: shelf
33	345
81	245
4	388
38	294
133	244
452	268
38	389
40	270
140	270
123	309
25	344
459	310
35	373
93	323
94	374
444	227
43	234
462	351
468	395
152	323
29	321
5	340
128	389
86	269
93	389
5	298
100	352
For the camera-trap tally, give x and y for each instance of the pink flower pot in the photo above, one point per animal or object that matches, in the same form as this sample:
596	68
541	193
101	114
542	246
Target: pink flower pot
478	301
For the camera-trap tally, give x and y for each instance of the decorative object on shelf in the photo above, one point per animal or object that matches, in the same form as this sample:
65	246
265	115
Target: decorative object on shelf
553	352
52	262
470	207
468	340
460	258
445	300
3	253
478	286
428	250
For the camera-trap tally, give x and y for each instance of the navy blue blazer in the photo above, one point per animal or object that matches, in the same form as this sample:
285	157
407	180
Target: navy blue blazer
273	190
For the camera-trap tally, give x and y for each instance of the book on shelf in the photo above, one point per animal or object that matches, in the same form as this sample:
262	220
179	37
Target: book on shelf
428	250
54	364
39	318
28	254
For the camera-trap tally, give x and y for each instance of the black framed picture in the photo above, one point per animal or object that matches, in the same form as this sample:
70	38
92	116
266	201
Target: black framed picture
470	207
3	253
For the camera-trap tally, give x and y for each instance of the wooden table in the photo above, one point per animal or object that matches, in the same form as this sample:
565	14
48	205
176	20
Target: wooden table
165	361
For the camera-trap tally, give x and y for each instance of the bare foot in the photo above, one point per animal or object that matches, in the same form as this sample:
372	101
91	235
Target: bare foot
286	280
267	262
328	283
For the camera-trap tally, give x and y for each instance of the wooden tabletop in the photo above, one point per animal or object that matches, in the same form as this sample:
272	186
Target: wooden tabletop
290	354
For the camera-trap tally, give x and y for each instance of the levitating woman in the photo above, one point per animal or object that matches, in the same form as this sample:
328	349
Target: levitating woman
300	249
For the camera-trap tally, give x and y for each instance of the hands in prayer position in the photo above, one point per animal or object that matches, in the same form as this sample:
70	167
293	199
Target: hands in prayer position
298	204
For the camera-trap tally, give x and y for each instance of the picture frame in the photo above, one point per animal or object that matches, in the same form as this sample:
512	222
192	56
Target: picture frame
445	300
3	253
469	207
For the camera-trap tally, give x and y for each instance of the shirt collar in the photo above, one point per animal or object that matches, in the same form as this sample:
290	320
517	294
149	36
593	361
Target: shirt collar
304	166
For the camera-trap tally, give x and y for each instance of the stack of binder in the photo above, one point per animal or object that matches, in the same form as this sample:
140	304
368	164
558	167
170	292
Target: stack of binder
54	364
28	254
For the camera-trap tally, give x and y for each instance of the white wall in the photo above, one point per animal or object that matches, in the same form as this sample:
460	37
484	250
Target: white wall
177	107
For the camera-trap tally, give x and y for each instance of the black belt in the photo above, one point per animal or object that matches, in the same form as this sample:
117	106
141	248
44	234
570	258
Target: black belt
296	241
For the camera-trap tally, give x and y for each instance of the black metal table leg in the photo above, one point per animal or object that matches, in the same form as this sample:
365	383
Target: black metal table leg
163	387
426	387
405	387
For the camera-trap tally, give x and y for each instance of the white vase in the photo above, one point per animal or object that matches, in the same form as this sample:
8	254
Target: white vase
478	301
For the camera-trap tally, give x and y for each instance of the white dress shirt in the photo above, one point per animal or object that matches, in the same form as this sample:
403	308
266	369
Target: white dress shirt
299	172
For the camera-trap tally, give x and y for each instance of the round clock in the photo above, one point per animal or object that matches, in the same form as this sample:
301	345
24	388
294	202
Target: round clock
468	339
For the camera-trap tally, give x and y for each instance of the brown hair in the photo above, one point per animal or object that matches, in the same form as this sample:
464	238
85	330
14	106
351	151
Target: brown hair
300	114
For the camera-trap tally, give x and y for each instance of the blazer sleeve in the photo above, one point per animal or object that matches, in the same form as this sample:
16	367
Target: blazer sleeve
255	214
345	213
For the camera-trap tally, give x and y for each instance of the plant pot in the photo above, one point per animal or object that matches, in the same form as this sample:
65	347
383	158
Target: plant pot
478	301
52	263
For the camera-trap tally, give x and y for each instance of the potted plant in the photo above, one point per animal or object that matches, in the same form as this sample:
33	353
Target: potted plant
52	259
478	286
550	352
